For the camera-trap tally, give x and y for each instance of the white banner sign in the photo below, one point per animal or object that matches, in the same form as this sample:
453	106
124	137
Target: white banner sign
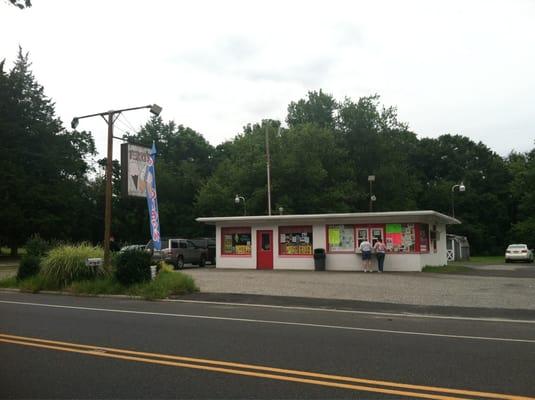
134	162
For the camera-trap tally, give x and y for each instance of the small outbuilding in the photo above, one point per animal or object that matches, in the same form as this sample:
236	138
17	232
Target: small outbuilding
458	248
413	240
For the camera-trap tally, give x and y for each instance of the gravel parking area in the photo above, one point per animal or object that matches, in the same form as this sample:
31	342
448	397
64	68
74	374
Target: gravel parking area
405	288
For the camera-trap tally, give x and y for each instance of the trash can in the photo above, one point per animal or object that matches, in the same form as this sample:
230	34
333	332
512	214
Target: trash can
319	259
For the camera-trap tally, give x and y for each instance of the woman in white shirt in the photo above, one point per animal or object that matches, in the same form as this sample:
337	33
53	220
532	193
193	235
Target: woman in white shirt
366	250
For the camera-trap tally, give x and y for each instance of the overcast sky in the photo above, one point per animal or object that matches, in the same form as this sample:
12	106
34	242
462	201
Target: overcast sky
460	67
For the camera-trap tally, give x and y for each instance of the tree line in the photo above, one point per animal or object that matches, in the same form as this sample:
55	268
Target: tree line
320	163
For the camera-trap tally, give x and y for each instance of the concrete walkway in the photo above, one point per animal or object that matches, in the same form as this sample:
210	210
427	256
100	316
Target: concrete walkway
400	288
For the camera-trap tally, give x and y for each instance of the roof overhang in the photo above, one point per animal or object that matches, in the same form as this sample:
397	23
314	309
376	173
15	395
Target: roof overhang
424	216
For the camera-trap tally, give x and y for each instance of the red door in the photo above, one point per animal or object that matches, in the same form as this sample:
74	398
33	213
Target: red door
264	249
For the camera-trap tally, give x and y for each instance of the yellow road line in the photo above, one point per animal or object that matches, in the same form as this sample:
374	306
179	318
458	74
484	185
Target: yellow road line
107	352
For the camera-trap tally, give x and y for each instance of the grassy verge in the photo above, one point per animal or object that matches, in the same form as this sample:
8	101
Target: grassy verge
446	269
486	260
166	284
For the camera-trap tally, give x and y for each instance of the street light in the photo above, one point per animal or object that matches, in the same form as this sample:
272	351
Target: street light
110	117
371	179
237	201
461	188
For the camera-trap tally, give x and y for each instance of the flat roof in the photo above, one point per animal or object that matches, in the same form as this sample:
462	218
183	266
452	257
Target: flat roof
362	217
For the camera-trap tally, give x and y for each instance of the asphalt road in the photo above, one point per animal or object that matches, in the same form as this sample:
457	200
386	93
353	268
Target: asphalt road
136	349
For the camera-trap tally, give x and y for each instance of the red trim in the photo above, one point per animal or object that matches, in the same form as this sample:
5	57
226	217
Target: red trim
232	230
294	229
328	247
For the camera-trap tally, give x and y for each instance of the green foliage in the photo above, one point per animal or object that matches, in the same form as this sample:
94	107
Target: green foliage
10	282
36	283
132	267
97	286
66	264
43	165
164	267
446	269
29	266
166	284
36	246
320	163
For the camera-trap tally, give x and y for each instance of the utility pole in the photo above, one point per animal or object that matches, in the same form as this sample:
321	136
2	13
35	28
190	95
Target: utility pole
110	117
371	179
268	171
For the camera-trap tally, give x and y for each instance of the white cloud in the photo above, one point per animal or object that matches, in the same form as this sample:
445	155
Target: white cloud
449	67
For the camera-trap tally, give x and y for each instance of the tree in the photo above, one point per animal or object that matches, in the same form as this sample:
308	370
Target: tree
184	161
483	208
43	167
522	189
318	108
22	4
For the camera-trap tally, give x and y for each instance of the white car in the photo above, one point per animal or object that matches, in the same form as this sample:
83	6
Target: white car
518	252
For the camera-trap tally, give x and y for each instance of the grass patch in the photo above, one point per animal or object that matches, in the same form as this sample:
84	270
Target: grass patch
36	283
446	269
484	260
10	282
167	283
97	286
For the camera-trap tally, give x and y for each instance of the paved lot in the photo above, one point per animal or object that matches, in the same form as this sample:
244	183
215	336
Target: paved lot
406	288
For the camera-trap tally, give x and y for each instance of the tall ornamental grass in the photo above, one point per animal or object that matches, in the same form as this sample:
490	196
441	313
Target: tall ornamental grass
66	264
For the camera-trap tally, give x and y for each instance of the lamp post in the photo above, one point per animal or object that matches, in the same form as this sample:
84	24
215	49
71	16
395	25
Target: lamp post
461	188
371	179
237	201
110	117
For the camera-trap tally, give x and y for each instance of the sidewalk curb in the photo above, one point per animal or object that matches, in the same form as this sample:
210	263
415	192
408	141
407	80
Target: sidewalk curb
61	293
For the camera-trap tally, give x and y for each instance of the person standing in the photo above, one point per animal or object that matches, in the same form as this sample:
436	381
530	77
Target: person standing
380	251
366	250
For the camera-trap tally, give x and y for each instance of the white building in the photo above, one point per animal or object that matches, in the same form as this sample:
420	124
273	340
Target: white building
414	239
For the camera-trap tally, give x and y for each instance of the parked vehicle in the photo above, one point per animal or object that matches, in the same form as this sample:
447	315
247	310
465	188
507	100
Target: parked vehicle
133	247
518	252
179	252
209	245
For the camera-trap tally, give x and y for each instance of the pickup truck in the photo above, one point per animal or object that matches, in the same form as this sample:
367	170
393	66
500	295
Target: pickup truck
209	245
179	252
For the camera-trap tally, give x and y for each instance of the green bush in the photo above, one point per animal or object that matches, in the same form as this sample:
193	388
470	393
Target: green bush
66	264
29	266
36	246
132	267
10	282
36	283
166	284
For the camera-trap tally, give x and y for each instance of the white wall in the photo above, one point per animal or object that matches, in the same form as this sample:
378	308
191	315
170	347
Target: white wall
334	262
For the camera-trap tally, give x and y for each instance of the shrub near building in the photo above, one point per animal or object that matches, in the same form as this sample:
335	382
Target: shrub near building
36	248
132	266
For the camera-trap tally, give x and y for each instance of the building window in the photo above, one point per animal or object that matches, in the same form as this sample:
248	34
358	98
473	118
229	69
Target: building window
362	235
400	238
376	234
424	238
236	241
341	238
266	241
295	240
